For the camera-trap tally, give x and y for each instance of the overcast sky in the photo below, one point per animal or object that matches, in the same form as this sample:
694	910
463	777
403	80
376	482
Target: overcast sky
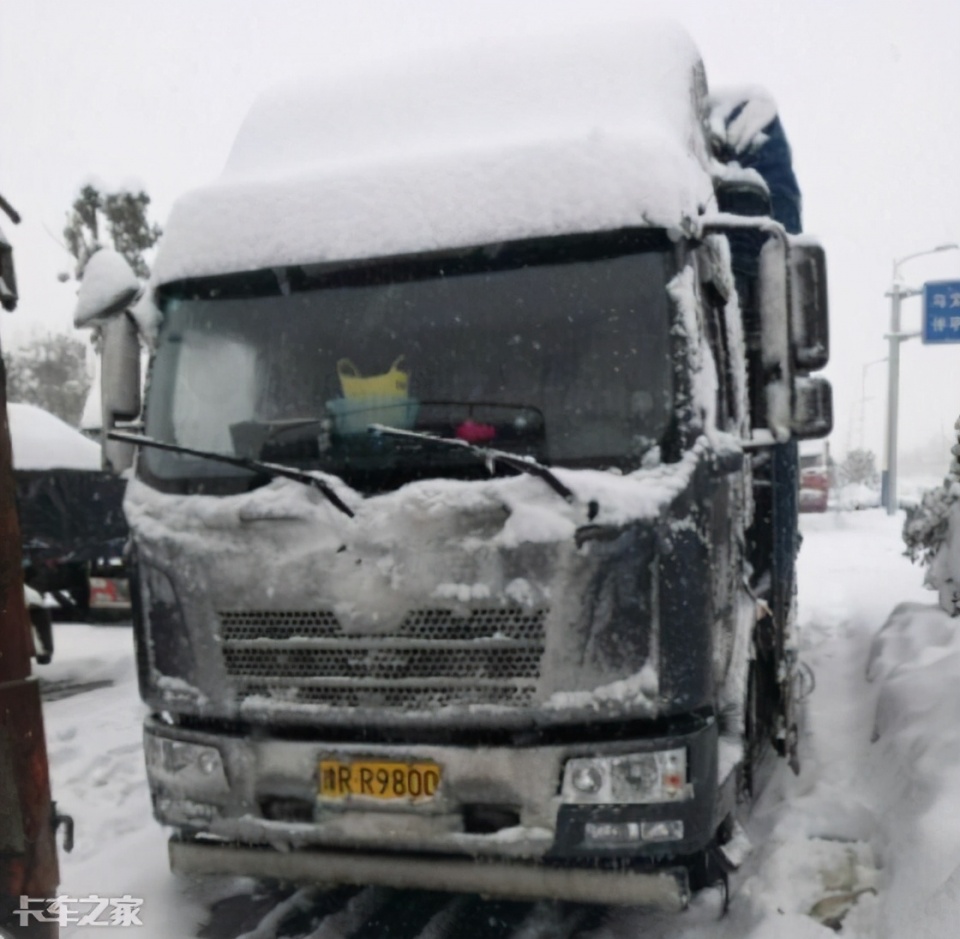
869	90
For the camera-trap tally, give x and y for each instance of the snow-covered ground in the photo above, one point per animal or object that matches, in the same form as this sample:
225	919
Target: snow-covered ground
94	744
871	822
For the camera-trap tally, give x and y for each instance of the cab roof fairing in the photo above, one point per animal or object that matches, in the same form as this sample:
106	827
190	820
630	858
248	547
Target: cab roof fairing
591	130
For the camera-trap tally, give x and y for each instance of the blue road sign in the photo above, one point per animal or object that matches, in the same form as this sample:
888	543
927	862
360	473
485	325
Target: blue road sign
941	311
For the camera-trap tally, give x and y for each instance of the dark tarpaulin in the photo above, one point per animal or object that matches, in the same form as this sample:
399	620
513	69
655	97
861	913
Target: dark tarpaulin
70	515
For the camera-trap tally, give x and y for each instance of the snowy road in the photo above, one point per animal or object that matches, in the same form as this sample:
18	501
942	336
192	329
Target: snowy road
870	825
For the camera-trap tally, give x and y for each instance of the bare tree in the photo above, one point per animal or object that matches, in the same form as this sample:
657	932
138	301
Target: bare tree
50	372
860	466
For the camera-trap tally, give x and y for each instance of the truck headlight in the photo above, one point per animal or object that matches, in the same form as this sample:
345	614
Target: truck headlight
194	767
587	778
634	778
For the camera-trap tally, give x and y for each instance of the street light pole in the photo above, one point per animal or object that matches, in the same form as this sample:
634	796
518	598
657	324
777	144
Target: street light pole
861	440
897	292
888	481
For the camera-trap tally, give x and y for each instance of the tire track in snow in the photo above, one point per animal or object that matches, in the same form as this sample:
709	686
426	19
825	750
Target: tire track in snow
278	912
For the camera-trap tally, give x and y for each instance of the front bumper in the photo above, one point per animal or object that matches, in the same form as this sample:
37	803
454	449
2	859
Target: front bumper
666	889
262	793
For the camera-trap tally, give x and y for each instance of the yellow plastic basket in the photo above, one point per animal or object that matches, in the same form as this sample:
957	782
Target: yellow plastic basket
392	384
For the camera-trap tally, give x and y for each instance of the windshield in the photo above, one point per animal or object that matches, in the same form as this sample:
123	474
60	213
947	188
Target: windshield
557	348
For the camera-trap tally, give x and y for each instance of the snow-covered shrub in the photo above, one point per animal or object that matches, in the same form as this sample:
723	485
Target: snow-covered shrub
925	530
932	535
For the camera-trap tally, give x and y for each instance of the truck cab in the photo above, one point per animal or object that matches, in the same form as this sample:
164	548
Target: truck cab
464	518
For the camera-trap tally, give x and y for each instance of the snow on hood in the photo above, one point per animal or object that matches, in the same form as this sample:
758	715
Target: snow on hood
535	512
456	542
559	133
42	441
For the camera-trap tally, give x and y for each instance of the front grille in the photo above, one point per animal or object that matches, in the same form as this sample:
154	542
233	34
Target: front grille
415	698
237	625
435	658
386	662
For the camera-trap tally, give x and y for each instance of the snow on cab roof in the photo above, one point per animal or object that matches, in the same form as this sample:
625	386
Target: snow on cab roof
41	441
581	130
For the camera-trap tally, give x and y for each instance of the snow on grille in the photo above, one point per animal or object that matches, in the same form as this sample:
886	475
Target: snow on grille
436	658
238	626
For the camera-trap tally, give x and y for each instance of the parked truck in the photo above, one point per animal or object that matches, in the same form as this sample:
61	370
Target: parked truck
815	473
464	518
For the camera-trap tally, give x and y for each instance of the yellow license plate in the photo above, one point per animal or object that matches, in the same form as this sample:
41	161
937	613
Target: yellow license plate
378	779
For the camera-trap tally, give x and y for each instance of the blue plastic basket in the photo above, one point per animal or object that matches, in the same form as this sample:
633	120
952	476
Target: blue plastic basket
355	415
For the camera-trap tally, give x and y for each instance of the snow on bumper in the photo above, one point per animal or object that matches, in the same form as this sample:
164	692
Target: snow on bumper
663	889
506	802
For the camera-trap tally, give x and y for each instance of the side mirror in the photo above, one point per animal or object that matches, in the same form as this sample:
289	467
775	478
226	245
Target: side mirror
120	387
742	196
812	409
773	299
808	304
786	323
108	289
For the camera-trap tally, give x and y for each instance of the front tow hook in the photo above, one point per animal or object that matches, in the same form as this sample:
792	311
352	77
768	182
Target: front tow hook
66	821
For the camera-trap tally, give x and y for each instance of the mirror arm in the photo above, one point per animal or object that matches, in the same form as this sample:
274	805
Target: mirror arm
720	223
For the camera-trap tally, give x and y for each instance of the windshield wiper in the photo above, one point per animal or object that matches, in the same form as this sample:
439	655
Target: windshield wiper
256	466
521	464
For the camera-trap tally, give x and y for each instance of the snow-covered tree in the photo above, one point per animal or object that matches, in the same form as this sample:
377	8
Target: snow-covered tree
50	372
925	529
932	535
119	216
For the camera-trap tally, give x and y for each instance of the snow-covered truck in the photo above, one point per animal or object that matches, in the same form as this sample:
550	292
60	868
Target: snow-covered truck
465	511
71	518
